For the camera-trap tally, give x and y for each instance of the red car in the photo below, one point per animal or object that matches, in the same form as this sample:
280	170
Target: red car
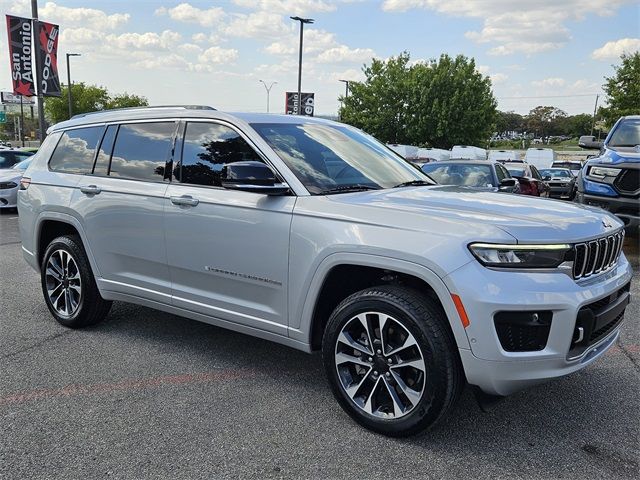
531	182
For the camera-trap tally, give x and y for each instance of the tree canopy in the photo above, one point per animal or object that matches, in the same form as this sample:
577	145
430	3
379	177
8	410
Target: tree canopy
623	89
439	103
88	98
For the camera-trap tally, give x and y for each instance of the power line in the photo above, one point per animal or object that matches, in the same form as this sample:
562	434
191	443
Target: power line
550	96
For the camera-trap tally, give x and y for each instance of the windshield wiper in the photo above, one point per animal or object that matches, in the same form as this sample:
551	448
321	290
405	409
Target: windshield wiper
356	187
412	183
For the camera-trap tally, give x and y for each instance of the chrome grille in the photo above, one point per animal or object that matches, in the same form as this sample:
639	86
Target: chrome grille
597	255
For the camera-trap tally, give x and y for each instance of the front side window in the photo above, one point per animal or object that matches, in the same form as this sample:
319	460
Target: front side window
626	135
326	157
75	150
141	150
467	175
207	147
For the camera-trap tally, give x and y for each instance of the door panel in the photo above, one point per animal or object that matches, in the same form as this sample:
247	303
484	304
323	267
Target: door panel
228	255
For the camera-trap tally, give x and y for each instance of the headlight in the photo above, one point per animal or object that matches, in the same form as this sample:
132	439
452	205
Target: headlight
602	172
520	256
6	185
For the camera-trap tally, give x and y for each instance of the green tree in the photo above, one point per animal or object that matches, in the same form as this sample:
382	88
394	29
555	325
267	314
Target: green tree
87	98
509	122
577	125
440	103
380	105
623	90
544	121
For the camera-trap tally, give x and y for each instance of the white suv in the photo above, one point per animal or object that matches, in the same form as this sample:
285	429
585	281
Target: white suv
314	235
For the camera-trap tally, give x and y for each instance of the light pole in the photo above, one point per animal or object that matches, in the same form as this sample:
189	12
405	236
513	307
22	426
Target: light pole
302	22
268	89
346	87
69	82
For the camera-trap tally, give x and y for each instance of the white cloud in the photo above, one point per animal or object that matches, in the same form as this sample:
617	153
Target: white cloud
549	82
218	55
85	17
259	25
288	7
342	54
279	48
498	78
187	13
143	41
614	49
516	27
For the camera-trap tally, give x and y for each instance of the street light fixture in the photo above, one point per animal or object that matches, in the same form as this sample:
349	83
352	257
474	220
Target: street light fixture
69	81
268	89
346	87
302	22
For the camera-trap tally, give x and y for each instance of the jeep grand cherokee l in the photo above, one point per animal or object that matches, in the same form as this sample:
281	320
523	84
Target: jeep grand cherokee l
312	234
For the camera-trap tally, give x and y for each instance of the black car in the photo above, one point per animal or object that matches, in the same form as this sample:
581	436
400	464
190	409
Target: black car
561	182
479	174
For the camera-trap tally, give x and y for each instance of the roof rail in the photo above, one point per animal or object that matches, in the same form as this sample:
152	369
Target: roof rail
186	107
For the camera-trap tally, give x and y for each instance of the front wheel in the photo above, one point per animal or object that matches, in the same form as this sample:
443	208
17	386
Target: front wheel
68	285
391	360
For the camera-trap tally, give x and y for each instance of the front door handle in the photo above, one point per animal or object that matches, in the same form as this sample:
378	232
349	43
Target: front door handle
90	189
186	200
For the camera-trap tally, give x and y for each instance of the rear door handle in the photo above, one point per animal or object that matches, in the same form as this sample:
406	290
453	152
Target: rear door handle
90	189
186	200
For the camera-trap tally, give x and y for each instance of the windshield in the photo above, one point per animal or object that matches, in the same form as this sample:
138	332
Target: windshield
329	157
556	172
23	165
626	135
468	175
515	171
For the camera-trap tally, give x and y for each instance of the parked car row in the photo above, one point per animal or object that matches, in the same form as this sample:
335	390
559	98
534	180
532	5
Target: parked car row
13	164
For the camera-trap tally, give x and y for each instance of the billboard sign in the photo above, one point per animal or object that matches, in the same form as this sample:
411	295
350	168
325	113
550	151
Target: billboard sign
8	98
47	46
291	103
20	55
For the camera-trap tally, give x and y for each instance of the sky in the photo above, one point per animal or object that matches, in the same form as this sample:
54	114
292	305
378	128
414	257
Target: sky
536	52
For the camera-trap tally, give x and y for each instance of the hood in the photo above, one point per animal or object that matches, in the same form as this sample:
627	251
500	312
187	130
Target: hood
616	155
9	174
528	219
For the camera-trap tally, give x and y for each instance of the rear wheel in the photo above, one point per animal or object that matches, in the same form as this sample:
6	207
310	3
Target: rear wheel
391	360
68	285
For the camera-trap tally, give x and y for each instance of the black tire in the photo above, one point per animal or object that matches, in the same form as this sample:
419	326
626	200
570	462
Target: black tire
91	307
425	320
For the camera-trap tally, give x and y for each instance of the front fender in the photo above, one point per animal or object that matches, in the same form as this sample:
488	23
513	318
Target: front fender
301	327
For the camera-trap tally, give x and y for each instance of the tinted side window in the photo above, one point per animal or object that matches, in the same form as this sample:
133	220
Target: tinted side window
500	173
7	159
141	150
207	147
535	173
76	150
104	152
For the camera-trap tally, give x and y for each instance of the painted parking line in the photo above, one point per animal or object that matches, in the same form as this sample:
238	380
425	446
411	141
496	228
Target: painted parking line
125	385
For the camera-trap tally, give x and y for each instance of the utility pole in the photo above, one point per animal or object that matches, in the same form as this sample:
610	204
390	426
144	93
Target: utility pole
21	122
268	89
69	82
302	21
595	109
38	80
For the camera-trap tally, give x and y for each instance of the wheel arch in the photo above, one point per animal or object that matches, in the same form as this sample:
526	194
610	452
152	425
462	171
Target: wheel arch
341	274
54	224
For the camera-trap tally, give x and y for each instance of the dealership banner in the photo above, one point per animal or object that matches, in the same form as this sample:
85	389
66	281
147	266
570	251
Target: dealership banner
291	103
8	98
47	46
20	55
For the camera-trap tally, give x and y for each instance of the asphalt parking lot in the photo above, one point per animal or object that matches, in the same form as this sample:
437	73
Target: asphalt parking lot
152	395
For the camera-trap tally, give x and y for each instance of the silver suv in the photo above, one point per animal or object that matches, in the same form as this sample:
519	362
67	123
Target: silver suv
314	235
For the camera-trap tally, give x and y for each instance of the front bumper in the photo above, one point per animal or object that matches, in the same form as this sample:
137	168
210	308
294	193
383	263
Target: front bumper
560	192
626	209
486	292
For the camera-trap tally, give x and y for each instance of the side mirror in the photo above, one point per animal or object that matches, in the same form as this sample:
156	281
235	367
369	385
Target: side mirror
253	177
507	184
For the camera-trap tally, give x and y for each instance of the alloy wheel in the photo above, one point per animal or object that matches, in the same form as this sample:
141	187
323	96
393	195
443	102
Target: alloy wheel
63	283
